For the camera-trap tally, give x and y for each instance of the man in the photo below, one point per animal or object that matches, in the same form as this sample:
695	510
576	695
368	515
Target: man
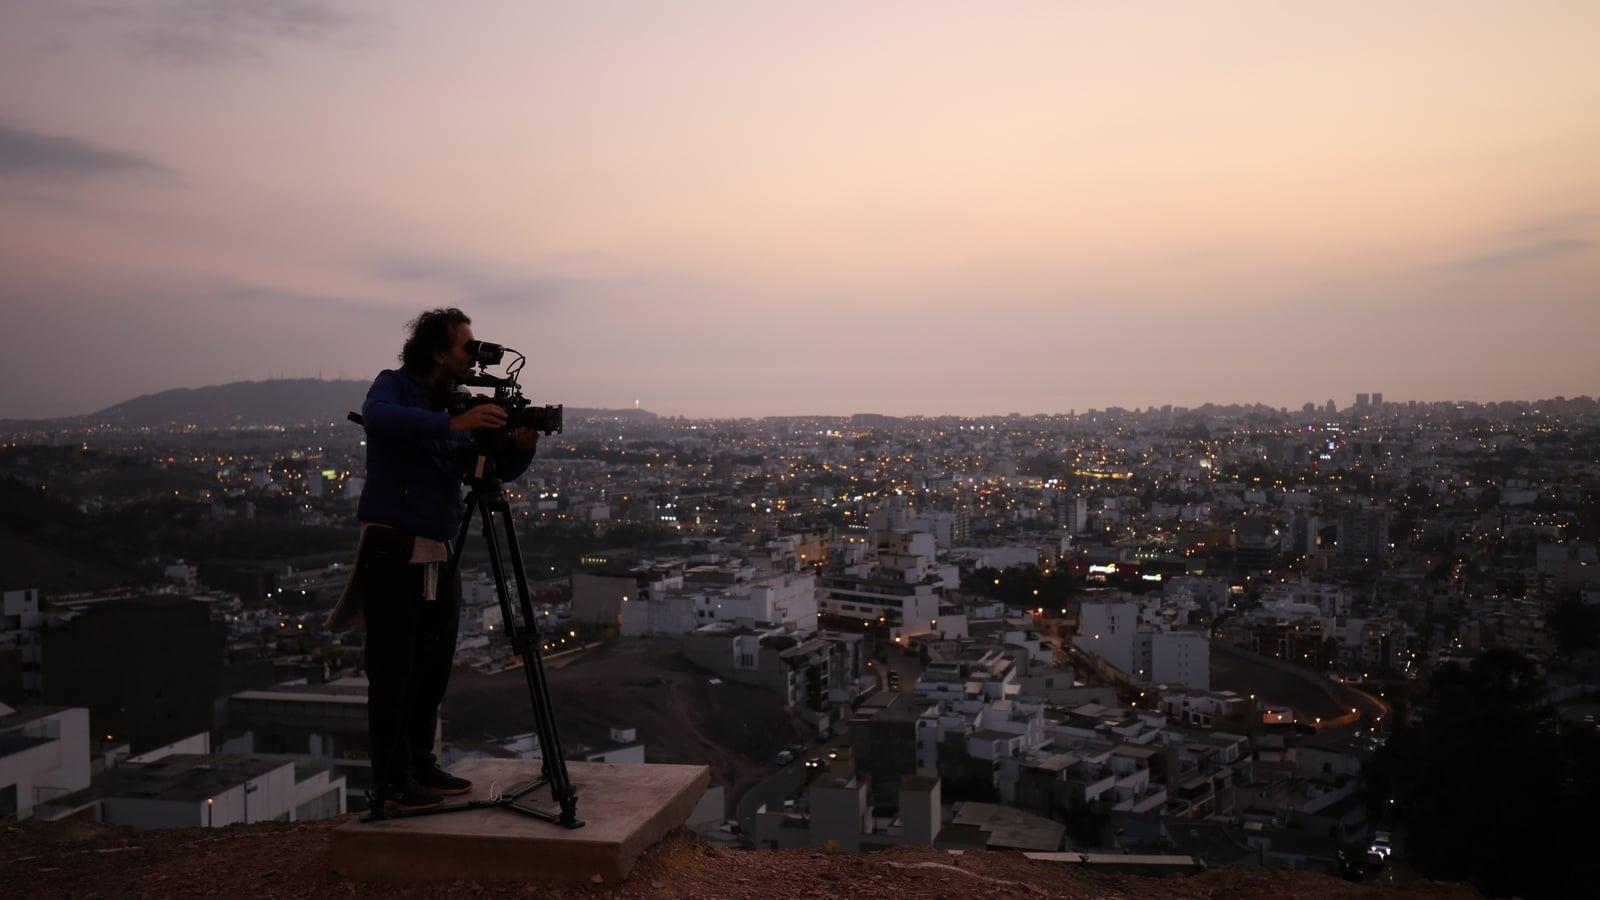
410	507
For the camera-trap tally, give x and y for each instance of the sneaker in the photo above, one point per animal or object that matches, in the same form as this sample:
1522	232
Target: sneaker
409	795
437	780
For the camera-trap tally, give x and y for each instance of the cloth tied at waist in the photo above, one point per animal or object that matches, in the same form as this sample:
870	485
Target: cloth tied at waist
425	552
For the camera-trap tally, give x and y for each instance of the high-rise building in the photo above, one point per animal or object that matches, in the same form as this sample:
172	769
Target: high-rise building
1364	533
1361	401
1256	544
1377	399
1300	538
1072	513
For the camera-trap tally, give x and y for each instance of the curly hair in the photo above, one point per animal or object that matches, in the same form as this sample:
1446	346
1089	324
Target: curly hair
432	332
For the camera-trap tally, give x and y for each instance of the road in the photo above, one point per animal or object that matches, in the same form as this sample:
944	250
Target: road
908	665
1274	682
1365	703
781	784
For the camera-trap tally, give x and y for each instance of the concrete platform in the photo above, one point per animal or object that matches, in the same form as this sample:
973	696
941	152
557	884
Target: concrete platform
625	809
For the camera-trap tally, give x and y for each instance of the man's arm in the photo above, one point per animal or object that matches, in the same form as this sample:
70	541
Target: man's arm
385	414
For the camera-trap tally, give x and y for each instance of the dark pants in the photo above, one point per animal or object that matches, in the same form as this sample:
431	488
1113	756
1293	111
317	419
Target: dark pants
411	643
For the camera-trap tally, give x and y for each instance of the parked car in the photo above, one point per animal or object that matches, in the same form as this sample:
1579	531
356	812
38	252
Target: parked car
783	758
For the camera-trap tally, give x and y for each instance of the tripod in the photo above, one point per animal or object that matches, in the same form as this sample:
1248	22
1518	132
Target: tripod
487	499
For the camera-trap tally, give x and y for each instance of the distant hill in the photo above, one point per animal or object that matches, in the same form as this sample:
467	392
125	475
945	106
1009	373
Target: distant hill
284	401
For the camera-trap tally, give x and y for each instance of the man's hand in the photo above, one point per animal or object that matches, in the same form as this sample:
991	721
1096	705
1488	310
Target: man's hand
484	415
525	439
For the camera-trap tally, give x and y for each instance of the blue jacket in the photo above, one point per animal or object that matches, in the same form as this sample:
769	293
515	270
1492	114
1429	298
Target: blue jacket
413	458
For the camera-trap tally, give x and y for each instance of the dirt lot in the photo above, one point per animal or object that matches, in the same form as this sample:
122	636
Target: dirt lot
644	683
1246	673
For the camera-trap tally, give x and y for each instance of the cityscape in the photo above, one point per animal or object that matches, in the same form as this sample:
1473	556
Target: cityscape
911	449
1195	637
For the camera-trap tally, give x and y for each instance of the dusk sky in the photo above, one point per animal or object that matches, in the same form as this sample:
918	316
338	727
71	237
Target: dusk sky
741	208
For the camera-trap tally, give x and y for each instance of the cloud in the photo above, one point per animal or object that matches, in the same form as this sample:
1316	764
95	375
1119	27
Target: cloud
1520	254
211	32
471	283
1551	239
29	153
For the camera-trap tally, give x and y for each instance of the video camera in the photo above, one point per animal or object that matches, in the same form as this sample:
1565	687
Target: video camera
520	412
489	443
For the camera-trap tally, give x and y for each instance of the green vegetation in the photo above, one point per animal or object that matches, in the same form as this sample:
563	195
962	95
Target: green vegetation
1024	586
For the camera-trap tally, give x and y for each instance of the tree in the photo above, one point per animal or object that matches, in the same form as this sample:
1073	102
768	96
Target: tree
1576	626
1023	586
1489	788
1087	823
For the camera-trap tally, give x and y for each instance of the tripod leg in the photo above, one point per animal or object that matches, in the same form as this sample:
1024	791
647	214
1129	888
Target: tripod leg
461	534
526	638
555	758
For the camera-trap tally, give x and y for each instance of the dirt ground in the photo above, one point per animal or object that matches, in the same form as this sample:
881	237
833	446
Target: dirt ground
643	683
1245	673
62	859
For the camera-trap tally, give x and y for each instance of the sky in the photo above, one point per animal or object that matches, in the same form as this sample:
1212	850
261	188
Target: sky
744	209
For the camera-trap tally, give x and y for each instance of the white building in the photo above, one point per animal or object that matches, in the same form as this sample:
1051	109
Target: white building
1113	631
999	557
1212	594
779	600
1180	658
44	754
20	624
186	790
905	555
667	613
314	725
905	609
1295	596
1110	631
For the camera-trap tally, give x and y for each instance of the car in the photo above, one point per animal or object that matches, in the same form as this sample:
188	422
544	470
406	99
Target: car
783	758
814	762
1380	845
796	750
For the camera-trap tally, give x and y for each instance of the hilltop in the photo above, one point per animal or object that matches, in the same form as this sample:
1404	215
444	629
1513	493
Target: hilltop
81	859
241	404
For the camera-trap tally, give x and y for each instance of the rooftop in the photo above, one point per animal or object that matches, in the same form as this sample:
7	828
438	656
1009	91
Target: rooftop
184	776
1005	827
